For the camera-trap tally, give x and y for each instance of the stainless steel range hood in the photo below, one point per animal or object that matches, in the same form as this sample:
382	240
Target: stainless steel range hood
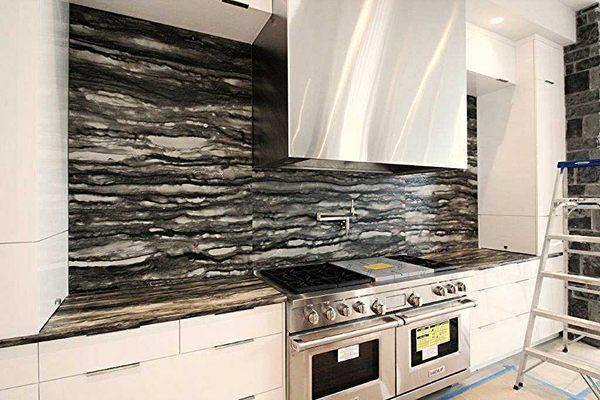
366	85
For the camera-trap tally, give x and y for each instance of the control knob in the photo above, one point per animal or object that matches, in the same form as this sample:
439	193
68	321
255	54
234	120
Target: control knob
330	313
313	317
439	290
345	310
450	288
460	286
359	307
414	300
378	308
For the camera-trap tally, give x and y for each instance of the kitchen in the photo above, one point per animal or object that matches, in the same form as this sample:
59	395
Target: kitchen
301	199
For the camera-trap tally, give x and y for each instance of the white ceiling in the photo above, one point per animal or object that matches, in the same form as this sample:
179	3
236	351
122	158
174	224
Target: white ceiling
578	4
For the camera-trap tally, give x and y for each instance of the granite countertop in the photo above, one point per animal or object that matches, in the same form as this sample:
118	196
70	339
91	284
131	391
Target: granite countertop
89	313
479	258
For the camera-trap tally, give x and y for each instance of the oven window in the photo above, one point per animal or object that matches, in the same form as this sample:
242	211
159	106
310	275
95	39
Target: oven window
430	342
344	368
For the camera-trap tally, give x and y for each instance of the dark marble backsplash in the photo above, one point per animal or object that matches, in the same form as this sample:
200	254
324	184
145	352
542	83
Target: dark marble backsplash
161	184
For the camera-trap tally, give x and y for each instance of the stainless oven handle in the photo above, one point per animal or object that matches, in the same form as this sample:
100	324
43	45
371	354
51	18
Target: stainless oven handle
299	345
412	317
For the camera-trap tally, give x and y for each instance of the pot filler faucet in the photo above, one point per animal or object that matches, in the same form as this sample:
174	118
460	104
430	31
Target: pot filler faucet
343	218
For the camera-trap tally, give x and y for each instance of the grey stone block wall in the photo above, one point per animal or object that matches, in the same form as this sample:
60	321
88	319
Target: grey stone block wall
582	90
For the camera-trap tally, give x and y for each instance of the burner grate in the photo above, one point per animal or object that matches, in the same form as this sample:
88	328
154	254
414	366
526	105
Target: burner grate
314	278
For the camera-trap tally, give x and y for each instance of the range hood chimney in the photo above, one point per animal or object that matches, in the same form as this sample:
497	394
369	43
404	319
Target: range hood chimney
363	85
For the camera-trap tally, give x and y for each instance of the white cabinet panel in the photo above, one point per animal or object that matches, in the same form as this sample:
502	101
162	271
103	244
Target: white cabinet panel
33	280
33	137
18	366
272	395
29	392
514	233
213	330
551	140
494	342
235	372
72	356
549	63
501	275
152	380
490	55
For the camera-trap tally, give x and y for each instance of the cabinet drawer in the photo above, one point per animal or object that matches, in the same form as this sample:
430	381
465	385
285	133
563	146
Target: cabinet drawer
276	394
29	392
235	372
18	366
501	302
214	330
493	342
151	380
504	274
78	355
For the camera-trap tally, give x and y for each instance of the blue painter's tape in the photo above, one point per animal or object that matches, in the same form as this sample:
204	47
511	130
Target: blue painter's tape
585	392
480	382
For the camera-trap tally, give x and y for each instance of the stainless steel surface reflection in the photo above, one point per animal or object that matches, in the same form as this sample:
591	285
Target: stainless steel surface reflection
367	81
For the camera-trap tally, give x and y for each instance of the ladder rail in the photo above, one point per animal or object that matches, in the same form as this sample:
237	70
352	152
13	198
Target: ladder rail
582	327
538	284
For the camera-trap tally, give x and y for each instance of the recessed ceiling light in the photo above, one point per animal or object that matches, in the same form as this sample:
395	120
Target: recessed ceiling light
496	20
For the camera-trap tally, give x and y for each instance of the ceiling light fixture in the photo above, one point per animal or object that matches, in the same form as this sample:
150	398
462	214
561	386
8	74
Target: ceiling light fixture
496	20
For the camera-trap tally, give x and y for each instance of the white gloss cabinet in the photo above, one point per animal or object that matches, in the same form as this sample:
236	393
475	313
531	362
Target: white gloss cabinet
33	163
499	321
521	137
490	54
149	363
29	392
18	366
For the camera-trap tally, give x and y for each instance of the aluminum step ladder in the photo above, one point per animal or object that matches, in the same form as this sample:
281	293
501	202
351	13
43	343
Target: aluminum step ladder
579	327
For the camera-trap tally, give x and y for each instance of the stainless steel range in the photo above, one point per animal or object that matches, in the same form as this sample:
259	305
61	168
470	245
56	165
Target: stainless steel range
374	329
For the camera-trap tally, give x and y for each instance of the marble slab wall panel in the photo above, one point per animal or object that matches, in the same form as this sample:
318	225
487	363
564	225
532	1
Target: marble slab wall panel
161	184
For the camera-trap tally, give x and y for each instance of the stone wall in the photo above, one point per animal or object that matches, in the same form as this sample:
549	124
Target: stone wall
582	89
161	184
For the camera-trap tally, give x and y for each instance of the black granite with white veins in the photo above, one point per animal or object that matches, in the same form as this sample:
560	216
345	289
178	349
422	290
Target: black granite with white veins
90	313
103	311
161	180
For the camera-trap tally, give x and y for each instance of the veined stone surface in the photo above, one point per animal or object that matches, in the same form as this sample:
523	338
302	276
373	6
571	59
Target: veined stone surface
161	184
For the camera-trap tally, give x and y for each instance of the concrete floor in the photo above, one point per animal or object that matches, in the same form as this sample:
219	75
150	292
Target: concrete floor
547	382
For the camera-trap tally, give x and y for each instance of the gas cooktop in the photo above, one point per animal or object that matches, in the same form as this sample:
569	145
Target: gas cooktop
313	278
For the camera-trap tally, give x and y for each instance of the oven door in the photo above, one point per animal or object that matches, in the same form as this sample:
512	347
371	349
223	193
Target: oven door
353	362
433	344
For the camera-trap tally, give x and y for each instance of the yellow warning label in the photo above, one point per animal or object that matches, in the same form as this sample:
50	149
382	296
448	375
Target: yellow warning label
377	266
433	335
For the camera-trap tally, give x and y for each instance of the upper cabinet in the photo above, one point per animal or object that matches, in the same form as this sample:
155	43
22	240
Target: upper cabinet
33	163
491	61
549	64
520	138
490	54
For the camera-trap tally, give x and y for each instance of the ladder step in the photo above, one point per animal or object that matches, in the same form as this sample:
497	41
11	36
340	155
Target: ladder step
587	280
583	323
575	238
578	200
565	362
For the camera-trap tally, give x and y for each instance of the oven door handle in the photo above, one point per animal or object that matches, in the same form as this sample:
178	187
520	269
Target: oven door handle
299	345
412	317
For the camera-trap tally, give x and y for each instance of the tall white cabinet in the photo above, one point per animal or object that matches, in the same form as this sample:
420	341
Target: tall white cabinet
521	137
33	163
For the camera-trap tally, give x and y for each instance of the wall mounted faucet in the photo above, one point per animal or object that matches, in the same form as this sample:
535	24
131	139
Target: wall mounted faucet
343	218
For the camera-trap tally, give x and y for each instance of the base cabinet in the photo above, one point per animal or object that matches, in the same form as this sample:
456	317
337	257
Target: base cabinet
29	392
250	364
499	321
